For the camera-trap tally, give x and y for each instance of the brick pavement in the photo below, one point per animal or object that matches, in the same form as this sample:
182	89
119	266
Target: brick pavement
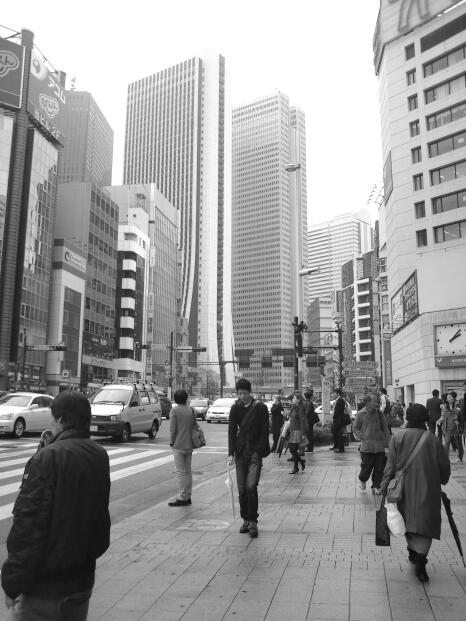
315	556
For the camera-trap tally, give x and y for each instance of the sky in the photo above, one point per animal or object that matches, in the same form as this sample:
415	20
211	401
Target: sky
317	52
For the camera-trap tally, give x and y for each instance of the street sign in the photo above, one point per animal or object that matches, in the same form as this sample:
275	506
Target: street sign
359	364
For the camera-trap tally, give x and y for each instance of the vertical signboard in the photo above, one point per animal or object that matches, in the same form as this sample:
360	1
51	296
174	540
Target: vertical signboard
11	73
46	99
405	305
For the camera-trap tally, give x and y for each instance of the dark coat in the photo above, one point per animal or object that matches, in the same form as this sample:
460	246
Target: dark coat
277	417
297	423
371	428
61	522
253	437
433	409
339	412
421	503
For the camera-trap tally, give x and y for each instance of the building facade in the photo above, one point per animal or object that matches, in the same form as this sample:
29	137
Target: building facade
420	62
269	234
88	152
178	137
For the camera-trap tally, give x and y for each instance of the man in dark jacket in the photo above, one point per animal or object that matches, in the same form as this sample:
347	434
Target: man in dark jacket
311	419
433	407
248	443
61	521
338	421
278	419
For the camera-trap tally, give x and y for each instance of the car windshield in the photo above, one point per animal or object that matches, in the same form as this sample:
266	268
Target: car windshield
198	402
224	403
15	401
112	395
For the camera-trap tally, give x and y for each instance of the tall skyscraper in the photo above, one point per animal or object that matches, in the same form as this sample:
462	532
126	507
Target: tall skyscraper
88	152
178	137
419	54
269	232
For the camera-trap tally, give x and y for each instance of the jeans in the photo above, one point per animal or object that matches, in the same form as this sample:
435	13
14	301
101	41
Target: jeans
183	473
459	441
338	440
372	463
451	436
248	472
70	608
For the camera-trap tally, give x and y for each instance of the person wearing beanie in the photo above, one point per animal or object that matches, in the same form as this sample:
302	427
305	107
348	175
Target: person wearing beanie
421	502
248	444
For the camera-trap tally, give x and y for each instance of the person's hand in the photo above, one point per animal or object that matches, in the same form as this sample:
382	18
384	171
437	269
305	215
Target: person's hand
9	602
230	460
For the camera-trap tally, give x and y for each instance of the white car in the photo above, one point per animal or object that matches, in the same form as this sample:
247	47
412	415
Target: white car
24	411
219	411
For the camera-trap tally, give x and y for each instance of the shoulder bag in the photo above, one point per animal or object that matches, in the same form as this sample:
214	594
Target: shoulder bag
197	435
395	487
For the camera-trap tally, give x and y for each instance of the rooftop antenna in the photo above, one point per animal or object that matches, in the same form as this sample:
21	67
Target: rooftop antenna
73	84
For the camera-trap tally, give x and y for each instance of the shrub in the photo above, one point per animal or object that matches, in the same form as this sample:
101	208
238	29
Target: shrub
322	436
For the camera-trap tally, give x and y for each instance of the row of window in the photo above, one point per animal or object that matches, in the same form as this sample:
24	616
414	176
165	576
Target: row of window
454	200
441	146
444	233
440	175
446	88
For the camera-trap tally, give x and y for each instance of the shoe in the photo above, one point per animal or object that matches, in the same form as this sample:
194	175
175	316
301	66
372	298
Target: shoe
290	459
253	532
244	527
332	448
420	567
179	503
376	491
294	471
362	485
411	556
303	464
339	450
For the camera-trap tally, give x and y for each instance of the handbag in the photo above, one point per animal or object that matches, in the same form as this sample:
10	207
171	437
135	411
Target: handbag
285	432
197	435
382	533
395	487
395	522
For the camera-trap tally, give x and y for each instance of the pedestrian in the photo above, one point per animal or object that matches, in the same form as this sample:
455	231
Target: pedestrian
248	444
61	522
338	424
420	505
385	407
311	419
462	426
434	410
371	428
449	424
182	421
278	419
297	425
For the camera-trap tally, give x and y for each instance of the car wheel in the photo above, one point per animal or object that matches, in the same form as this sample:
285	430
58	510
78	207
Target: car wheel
19	428
209	421
125	434
153	430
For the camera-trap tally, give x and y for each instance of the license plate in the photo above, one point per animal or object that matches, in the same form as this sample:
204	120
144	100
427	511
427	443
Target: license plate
94	427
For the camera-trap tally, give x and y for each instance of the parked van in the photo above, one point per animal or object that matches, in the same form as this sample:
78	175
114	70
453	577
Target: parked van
120	410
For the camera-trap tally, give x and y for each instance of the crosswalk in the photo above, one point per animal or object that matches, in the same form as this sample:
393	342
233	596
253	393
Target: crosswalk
124	462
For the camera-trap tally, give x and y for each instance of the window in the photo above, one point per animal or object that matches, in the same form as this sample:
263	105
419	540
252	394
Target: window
416	155
420	209
411	77
445	89
443	33
409	51
421	238
444	61
456	141
449	115
412	103
418	182
414	128
448	173
449	202
450	232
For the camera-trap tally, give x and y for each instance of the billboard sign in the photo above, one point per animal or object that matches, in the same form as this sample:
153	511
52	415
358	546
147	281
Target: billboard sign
405	303
46	99
11	73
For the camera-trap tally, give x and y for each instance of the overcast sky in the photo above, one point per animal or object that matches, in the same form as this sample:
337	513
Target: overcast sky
318	52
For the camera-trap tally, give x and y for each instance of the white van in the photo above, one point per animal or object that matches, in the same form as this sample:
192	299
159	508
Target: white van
120	410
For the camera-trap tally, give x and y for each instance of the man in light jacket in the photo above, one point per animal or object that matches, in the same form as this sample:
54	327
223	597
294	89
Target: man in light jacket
182	421
371	428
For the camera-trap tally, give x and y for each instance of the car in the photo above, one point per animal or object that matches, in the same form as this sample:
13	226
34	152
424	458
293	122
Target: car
200	406
219	411
24	411
120	410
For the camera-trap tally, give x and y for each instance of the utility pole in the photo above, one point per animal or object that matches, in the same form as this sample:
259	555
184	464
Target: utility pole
340	356
170	379
299	328
25	347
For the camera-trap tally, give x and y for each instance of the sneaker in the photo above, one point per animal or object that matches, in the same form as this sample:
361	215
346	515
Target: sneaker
179	503
253	532
244	527
362	485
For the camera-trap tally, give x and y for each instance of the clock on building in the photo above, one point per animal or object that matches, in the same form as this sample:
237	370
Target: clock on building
450	339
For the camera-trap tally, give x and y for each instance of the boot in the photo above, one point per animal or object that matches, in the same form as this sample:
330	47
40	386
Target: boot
244	527
411	555
420	567
253	532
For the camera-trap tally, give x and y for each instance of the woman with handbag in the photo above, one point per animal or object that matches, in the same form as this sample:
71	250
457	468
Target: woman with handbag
182	422
297	426
420	503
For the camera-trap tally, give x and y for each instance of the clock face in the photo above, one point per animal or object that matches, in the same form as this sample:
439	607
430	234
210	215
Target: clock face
450	339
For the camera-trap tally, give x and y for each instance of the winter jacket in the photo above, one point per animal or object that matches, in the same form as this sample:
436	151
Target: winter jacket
61	522
339	412
371	429
297	423
252	437
449	418
181	424
277	417
430	469
433	406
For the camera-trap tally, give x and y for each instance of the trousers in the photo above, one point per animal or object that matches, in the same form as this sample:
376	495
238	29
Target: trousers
248	472
372	464
70	608
183	473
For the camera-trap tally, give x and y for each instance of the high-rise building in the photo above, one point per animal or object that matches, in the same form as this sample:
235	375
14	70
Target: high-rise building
88	152
269	233
419	54
178	137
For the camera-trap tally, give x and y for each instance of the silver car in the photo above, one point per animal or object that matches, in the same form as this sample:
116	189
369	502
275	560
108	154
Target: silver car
24	411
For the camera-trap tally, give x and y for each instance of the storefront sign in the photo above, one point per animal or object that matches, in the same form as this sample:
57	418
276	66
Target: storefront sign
449	362
405	306
387	360
75	260
46	99
11	73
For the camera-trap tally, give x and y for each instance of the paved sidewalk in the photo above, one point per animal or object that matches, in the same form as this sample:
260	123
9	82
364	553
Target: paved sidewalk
314	558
